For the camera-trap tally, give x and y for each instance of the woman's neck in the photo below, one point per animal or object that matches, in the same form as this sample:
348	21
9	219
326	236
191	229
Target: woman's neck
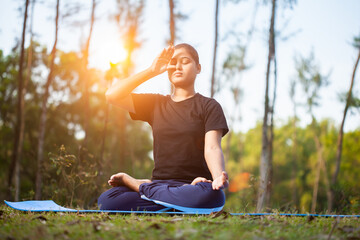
180	94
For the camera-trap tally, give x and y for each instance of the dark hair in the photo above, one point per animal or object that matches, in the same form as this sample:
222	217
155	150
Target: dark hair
194	54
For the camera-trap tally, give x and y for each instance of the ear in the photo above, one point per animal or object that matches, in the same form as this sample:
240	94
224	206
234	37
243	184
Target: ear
198	68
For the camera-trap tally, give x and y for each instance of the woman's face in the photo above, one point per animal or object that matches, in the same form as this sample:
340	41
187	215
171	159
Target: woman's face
182	69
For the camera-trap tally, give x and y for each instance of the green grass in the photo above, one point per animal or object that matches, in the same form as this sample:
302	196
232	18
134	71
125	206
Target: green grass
19	225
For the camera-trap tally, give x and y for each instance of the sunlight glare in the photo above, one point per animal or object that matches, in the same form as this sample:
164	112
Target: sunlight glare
108	51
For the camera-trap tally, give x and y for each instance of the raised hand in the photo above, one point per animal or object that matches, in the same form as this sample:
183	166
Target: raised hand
162	60
221	182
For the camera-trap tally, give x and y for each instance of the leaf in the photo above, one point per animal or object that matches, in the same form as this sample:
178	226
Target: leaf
348	229
155	225
73	222
96	227
41	218
219	214
310	219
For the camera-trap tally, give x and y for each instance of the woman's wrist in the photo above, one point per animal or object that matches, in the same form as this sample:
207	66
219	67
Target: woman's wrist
151	73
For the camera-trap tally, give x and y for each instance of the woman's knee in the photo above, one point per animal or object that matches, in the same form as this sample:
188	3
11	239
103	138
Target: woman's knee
108	199
200	195
208	197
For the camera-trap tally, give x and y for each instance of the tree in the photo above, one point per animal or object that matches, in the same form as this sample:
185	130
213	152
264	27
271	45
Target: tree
233	67
14	171
265	159
294	169
266	170
174	17
86	77
212	90
172	22
312	81
128	19
42	125
341	131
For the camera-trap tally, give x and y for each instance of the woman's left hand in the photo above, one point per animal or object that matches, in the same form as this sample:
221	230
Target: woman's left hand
221	182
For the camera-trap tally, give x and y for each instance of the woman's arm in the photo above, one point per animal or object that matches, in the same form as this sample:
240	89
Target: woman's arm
215	159
119	93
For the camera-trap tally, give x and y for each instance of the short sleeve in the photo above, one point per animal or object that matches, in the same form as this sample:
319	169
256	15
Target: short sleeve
215	118
144	107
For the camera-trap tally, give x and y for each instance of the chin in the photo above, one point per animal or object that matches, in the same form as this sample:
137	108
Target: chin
182	83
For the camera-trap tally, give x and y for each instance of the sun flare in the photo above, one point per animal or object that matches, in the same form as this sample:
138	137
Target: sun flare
108	51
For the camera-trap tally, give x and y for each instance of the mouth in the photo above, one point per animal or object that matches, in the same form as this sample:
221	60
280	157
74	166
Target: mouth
177	74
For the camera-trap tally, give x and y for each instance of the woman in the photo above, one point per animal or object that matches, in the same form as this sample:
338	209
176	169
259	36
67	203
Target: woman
189	170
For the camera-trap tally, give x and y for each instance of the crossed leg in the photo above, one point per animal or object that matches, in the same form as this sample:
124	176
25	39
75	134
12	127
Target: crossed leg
126	192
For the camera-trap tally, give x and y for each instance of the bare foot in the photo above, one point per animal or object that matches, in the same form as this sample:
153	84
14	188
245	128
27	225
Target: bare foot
116	180
123	179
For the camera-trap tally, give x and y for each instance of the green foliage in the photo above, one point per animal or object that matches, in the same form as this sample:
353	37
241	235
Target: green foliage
293	181
74	179
75	176
310	78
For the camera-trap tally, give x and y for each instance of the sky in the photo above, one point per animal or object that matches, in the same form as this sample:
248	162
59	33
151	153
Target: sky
324	27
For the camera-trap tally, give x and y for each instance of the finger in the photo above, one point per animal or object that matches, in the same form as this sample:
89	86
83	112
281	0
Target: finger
169	52
170	67
163	52
164	59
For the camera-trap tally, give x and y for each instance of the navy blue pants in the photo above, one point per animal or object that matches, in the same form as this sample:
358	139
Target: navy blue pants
174	192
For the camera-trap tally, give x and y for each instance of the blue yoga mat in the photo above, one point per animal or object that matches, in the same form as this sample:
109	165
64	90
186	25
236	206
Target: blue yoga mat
51	206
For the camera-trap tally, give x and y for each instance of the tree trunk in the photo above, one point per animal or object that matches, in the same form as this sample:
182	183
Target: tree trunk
103	139
130	31
172	22
341	132
327	183
30	53
14	171
270	181
320	166
86	78
228	146
294	162
319	150
172	30
42	126
265	157
212	90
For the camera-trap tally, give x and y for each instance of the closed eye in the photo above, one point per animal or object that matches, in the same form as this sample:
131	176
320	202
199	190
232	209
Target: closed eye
185	60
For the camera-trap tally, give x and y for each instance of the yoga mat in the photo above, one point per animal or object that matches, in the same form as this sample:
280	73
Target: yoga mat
51	206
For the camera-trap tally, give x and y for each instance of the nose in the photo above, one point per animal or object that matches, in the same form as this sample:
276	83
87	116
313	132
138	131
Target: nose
178	65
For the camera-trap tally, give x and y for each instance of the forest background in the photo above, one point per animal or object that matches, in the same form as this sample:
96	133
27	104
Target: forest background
284	72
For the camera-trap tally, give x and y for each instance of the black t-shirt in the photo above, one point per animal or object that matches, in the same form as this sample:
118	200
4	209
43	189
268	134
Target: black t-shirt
179	133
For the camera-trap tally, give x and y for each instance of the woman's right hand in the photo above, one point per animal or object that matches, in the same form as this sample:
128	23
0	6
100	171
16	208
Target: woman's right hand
162	60
200	179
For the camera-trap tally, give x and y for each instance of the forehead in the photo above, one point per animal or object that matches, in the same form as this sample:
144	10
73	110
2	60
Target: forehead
181	52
